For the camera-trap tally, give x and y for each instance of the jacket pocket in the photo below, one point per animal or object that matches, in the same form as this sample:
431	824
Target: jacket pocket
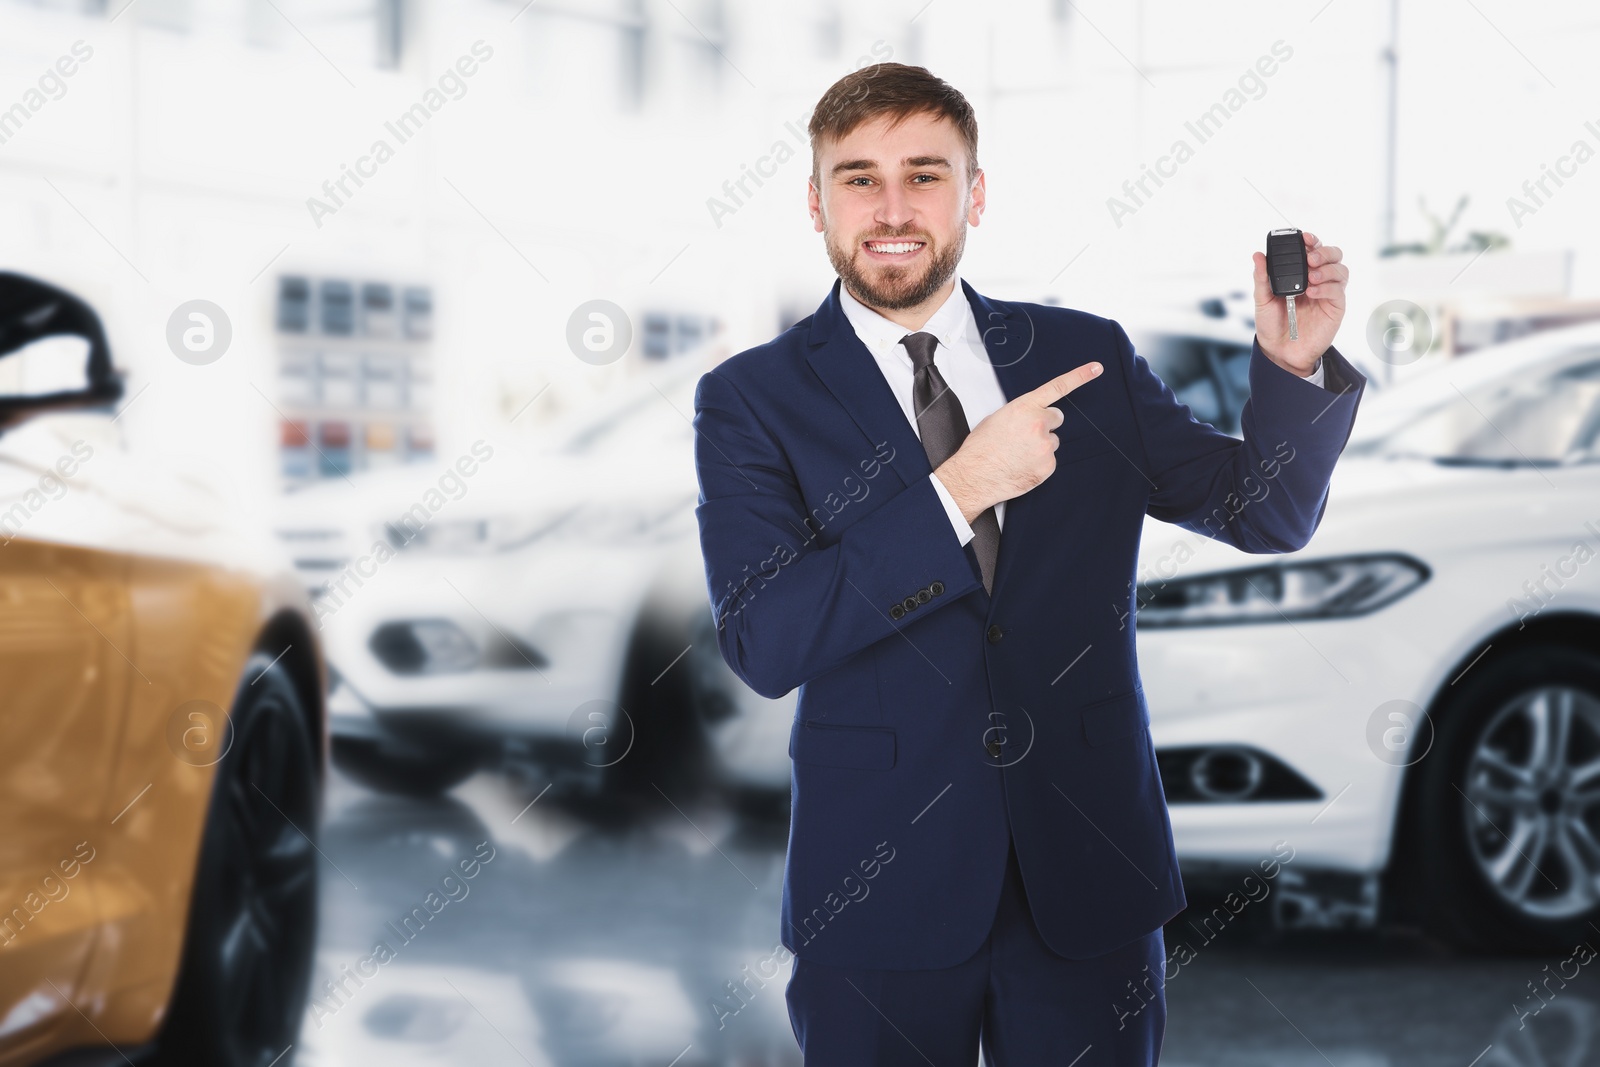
861	748
1119	716
1084	446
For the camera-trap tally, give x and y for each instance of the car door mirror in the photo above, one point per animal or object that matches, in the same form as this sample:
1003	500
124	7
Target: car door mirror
53	352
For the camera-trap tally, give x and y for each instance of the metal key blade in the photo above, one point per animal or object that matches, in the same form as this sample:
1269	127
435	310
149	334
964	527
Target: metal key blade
1294	327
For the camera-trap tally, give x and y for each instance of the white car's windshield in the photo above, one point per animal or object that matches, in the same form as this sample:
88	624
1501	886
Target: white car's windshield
1532	417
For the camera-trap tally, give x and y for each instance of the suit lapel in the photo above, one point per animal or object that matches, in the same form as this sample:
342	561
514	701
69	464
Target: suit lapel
1009	339
851	374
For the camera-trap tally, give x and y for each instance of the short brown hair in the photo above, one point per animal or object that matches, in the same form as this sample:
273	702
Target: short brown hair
893	89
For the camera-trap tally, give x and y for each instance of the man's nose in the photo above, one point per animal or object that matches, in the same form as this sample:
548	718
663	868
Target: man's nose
894	208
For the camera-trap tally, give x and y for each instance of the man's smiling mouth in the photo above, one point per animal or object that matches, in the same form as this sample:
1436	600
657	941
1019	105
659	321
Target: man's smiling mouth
893	248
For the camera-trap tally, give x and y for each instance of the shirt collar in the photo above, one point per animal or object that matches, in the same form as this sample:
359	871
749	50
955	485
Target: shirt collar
948	323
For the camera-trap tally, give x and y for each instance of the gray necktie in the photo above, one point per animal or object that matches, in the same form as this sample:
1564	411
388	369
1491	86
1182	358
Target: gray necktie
942	426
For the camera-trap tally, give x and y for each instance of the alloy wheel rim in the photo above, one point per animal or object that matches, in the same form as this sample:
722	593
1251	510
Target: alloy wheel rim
1532	802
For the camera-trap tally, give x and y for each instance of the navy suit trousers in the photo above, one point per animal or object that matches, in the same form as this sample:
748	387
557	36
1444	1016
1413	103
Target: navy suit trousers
1025	1005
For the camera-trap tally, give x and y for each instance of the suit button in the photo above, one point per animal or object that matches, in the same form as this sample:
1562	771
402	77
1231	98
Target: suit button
994	749
896	611
936	588
995	633
923	596
909	603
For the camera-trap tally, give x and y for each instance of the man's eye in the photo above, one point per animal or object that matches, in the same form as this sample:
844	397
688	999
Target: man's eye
930	178
857	180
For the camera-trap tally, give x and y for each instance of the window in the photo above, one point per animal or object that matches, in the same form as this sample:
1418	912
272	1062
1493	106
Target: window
377	310
297	379
382	446
418	314
340	386
295	451
338	311
384	390
333	449
294	305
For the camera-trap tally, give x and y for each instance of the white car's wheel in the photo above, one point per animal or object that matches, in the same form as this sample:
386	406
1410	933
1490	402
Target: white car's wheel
668	754
1508	837
724	707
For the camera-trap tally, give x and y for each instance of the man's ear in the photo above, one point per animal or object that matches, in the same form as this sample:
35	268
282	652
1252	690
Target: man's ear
979	198
814	204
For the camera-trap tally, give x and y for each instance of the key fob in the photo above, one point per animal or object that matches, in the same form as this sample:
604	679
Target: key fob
1286	263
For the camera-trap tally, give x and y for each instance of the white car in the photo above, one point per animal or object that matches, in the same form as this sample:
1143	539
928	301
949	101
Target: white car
1410	703
542	606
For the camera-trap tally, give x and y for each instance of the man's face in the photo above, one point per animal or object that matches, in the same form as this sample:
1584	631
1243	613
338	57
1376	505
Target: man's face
893	207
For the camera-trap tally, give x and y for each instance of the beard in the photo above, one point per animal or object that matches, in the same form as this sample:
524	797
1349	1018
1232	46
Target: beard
894	287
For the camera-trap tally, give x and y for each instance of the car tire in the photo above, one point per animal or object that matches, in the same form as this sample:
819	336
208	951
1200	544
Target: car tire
387	770
1506	840
670	756
242	984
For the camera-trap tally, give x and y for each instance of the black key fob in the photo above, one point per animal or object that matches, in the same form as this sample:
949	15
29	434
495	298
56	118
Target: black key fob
1286	262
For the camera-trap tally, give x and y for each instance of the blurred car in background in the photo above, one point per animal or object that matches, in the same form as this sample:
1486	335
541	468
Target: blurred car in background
556	615
162	744
552	615
1204	358
1412	701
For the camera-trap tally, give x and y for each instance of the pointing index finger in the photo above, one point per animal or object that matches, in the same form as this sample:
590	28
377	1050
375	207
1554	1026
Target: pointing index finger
1062	384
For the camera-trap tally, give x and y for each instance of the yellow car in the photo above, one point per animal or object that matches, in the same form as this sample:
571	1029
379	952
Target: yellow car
162	738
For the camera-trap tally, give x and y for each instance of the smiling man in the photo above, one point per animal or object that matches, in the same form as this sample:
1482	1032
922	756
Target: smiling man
979	850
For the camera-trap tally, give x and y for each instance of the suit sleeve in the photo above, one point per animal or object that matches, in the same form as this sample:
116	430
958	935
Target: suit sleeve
1267	493
787	607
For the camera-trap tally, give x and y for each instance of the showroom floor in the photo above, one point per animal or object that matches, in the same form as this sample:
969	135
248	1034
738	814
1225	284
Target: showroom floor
586	936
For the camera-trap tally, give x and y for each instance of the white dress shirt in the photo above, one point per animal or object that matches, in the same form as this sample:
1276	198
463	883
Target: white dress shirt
961	359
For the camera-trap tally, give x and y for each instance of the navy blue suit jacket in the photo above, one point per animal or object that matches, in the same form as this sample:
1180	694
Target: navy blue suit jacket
933	716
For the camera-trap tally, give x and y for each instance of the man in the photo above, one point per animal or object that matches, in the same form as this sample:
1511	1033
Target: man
979	848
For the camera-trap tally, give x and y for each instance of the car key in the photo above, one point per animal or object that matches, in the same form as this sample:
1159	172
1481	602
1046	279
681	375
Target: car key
1288	270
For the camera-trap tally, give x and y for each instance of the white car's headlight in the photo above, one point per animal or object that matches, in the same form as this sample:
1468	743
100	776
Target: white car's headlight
1283	592
424	646
472	536
439	646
